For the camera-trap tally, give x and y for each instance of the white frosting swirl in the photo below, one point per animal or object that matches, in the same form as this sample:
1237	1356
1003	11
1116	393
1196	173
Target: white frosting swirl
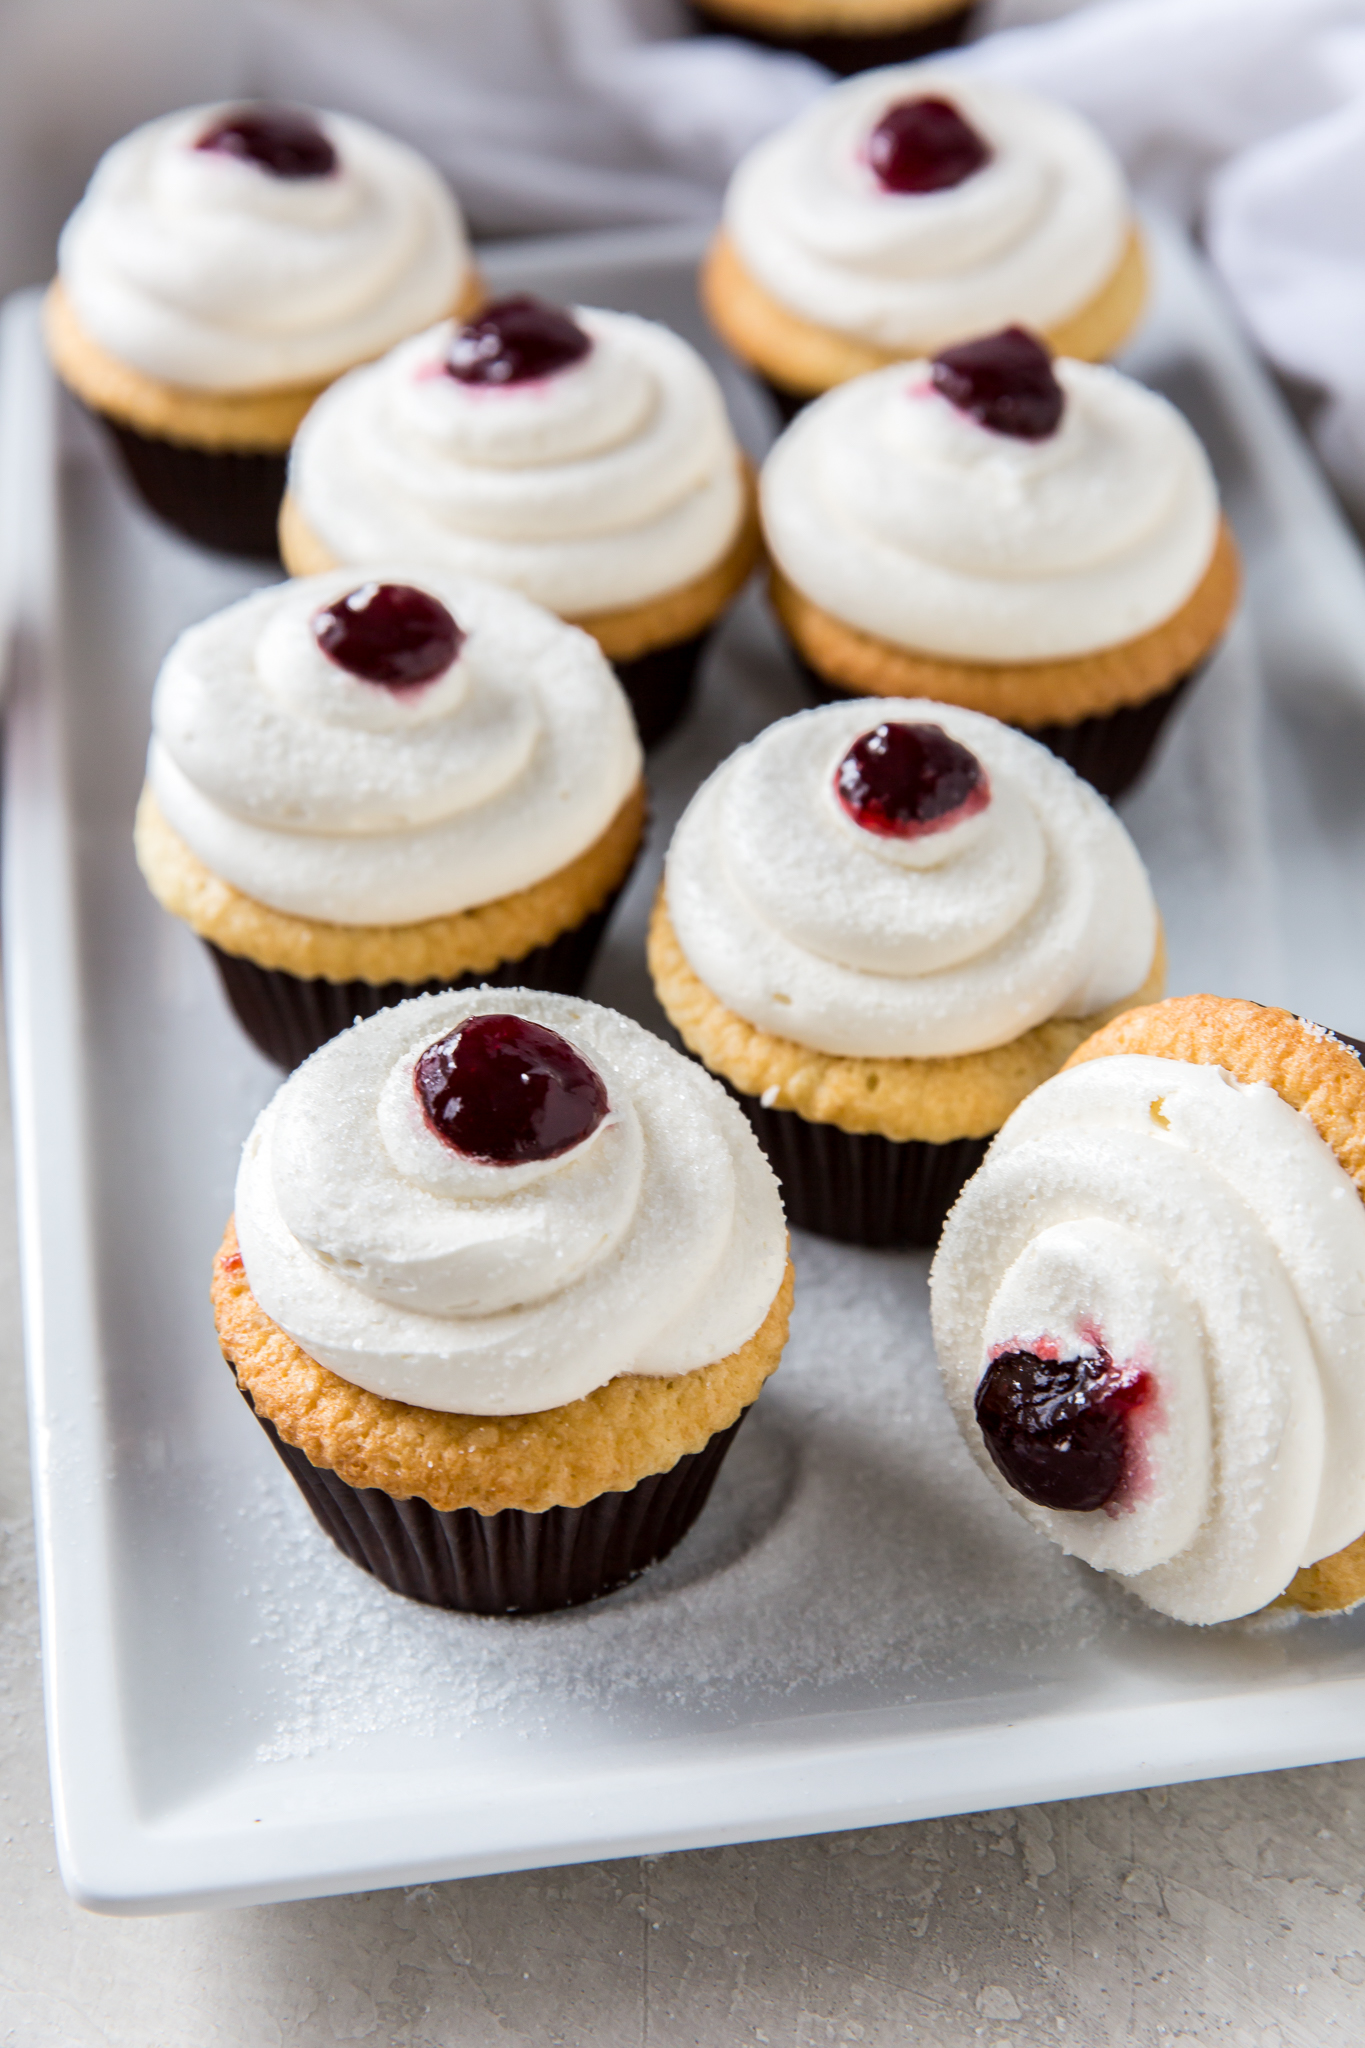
205	270
656	1247
330	797
1203	1232
820	931
904	516
1031	237
605	484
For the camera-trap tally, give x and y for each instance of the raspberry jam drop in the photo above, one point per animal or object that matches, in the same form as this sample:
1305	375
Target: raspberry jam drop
1058	1429
505	1091
1005	381
925	146
513	341
906	781
282	140
389	633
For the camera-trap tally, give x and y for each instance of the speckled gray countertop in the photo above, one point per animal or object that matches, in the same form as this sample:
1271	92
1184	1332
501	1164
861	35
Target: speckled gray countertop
1215	1913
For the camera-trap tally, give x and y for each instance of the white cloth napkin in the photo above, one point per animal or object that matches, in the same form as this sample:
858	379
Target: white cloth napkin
1248	118
1245	116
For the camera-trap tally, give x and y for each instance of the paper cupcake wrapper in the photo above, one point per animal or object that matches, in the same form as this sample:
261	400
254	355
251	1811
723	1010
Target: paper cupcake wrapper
222	499
846	54
288	1017
660	685
1111	752
515	1562
858	1187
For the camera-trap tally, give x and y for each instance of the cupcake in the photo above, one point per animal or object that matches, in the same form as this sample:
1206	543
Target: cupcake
844	35
583	458
504	1278
1037	540
369	784
1149	1307
914	208
881	925
225	264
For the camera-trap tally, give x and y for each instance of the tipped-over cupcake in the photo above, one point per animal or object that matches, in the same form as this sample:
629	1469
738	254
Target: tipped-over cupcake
1039	540
225	264
366	784
1149	1307
882	924
504	1277
581	457
914	208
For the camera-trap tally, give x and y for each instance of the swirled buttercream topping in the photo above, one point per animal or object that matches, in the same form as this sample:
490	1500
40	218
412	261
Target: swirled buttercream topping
605	482
872	944
214	268
344	790
1146	1224
1029	232
653	1244
895	509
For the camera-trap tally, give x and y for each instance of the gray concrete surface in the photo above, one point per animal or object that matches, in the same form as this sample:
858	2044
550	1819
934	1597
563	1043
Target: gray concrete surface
1225	1913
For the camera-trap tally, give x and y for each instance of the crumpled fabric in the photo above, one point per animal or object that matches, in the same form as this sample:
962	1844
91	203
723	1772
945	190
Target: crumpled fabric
1245	117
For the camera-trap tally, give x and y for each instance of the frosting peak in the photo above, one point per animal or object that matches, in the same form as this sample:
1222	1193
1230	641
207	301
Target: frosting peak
897	510
494	753
187	262
1012	208
654	1243
877	945
594	488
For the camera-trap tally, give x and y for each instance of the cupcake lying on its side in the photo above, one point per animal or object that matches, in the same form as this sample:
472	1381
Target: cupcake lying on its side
225	264
1037	540
583	458
505	1275
844	35
882	925
364	785
914	208
1149	1307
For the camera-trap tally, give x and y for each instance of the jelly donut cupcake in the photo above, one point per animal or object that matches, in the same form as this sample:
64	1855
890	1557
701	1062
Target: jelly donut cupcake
1038	540
364	785
911	209
844	35
882	924
1149	1308
505	1276
581	457
225	264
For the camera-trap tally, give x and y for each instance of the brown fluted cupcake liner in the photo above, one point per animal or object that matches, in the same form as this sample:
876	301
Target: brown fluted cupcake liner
660	685
858	1187
515	1562
1111	752
288	1017
225	499
847	54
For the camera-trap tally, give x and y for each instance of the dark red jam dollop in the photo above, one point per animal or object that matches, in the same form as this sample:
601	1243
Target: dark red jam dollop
1058	1428
282	140
389	633
925	146
1006	381
505	1091
905	781
515	340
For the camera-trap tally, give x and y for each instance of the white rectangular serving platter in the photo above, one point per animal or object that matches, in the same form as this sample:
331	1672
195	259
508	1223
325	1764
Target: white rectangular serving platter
857	1631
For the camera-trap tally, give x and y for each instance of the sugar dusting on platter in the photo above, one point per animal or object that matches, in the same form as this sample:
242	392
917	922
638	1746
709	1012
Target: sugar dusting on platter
847	1540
